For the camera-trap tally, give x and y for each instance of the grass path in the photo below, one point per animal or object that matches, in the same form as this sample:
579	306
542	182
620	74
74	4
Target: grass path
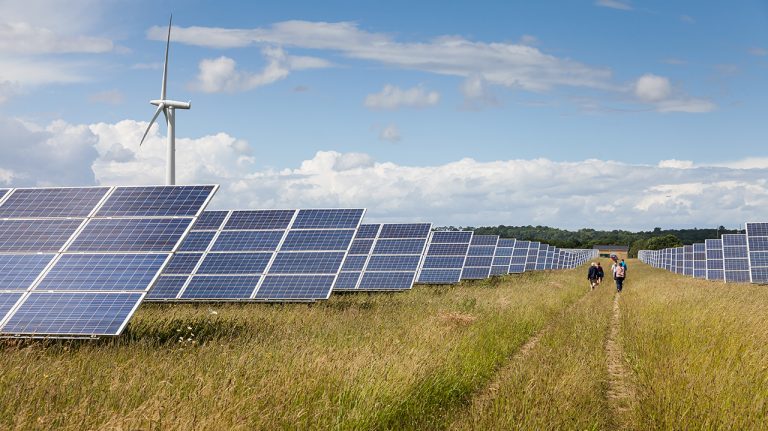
621	392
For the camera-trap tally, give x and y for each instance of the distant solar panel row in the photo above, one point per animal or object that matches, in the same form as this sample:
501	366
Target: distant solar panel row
76	262
261	255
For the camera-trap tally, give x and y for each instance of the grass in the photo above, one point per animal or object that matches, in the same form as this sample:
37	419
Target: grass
447	357
358	361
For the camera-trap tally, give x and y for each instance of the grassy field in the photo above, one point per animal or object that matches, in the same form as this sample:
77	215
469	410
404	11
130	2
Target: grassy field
521	352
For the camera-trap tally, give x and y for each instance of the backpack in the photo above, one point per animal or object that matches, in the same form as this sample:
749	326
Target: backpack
620	272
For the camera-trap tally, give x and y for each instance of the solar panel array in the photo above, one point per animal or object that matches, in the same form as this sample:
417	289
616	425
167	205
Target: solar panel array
77	262
384	257
479	260
519	257
260	255
445	256
731	258
533	256
503	256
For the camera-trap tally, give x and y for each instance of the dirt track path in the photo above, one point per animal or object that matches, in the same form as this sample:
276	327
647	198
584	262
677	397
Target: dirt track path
621	392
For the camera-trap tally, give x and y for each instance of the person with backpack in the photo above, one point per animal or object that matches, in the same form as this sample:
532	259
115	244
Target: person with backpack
592	275
619	273
600	273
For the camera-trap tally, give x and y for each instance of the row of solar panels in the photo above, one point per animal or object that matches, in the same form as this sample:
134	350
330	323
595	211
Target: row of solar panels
732	258
77	262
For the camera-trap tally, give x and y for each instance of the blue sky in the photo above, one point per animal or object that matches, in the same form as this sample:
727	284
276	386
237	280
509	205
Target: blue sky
300	103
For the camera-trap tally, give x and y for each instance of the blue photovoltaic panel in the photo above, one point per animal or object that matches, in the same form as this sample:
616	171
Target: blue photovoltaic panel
18	271
182	263
36	235
367	231
387	280
405	230
451	237
347	280
328	219
485	240
757	241
102	272
533	254
481	250
307	263
361	246
68	313
354	263
52	202
210	220
7	301
699	261
297	287
475	273
307	240
688	260
439	276
399	246
125	235
393	263
242	240
519	257
735	258
478	261
3	192
167	287
220	287
156	201
234	263
260	220
444	259
197	241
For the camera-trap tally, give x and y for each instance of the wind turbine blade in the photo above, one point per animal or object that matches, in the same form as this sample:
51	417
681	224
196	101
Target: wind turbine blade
152	121
165	65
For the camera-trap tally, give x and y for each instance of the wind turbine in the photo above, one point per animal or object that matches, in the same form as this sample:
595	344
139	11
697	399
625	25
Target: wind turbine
168	108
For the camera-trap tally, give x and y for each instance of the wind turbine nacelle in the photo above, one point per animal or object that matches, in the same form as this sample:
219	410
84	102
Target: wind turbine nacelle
172	104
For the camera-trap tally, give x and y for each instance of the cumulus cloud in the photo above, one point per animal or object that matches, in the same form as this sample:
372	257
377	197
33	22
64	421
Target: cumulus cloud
477	93
588	193
393	97
657	91
220	75
24	38
110	97
390	133
506	64
615	4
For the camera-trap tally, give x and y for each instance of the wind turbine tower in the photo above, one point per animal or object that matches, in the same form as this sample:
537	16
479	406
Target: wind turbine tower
168	108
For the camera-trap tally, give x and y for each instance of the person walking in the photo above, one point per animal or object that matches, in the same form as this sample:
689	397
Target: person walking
592	275
619	273
600	274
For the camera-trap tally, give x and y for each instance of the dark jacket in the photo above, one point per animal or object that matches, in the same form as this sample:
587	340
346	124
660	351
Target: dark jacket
600	273
592	274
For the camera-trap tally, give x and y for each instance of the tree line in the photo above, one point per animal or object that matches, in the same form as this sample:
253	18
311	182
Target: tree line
656	239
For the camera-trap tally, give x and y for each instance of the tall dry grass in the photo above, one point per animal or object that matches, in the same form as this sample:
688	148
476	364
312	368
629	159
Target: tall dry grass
358	361
698	350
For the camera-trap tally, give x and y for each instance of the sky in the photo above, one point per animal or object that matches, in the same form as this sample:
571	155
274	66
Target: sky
607	114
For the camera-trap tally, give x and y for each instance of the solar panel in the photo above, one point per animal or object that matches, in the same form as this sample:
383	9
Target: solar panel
757	246
78	273
262	255
52	202
541	258
735	258
480	257
688	260
519	257
699	260
714	255
503	256
533	255
390	262
444	259
679	260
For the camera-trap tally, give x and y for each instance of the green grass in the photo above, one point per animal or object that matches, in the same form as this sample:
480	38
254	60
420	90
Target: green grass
696	354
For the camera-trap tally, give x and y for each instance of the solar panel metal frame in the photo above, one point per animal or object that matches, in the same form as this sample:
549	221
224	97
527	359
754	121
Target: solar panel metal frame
478	272
533	255
278	252
63	251
714	254
501	260
699	260
456	270
515	262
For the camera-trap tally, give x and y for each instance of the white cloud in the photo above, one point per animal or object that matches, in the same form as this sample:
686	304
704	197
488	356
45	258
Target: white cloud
657	91
615	4
476	93
393	97
110	97
220	75
390	133
26	39
587	193
506	64
652	88
528	39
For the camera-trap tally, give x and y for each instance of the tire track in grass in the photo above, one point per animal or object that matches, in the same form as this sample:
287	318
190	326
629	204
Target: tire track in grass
621	393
